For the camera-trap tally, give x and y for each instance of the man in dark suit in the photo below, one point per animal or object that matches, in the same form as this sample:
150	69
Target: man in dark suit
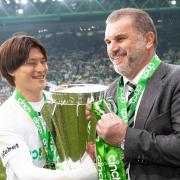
146	121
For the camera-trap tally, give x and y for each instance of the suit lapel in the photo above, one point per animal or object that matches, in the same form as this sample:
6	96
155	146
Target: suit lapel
149	96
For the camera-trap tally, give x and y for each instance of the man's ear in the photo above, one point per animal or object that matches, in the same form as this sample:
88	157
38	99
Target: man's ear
150	38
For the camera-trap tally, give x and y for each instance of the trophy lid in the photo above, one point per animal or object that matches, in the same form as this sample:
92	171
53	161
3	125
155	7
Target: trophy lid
80	88
77	93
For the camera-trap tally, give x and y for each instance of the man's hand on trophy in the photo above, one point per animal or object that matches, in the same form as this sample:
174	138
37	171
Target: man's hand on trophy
111	129
88	113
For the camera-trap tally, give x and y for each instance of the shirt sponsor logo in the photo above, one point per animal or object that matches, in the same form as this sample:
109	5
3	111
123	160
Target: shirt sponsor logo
38	154
8	150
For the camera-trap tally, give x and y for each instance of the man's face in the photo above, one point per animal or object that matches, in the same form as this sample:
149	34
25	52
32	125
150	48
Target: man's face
126	47
31	76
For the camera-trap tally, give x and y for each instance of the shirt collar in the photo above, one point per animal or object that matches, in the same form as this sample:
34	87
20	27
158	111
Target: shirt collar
37	106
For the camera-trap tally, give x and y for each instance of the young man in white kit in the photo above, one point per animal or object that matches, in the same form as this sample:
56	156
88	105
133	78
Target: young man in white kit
24	137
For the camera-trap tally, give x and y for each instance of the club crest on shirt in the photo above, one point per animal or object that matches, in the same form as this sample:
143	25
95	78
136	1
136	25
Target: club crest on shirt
38	154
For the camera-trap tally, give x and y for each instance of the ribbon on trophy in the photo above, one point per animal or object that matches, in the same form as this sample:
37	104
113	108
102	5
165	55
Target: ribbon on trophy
109	158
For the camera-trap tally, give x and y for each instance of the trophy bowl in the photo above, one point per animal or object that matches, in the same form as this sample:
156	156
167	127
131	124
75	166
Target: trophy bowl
64	113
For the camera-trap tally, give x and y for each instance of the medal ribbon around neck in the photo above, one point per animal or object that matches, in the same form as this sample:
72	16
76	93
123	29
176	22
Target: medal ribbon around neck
122	104
45	134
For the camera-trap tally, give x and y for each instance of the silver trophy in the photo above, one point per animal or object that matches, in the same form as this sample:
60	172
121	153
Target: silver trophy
64	113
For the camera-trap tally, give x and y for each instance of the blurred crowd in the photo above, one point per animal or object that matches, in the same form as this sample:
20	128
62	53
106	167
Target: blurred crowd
74	59
172	56
74	67
5	90
78	60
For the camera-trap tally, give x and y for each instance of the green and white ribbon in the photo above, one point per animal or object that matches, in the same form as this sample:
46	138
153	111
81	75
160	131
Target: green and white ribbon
122	104
51	155
109	159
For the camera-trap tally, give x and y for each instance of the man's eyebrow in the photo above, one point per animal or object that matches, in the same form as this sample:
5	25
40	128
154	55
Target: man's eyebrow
34	59
120	35
117	36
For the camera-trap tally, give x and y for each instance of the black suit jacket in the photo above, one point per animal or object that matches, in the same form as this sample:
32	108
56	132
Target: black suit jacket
152	147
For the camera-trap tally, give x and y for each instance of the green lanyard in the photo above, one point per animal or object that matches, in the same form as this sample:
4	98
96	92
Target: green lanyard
45	134
109	158
122	105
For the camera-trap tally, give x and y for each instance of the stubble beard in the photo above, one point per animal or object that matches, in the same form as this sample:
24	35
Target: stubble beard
133	67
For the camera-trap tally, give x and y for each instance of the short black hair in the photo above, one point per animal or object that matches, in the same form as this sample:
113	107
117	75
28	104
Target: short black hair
14	52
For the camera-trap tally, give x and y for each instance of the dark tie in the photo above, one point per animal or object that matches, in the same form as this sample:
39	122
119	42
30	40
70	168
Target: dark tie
131	88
